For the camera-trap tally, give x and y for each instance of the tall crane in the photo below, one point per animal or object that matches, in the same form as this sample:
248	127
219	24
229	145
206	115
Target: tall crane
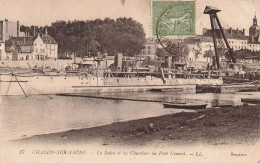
218	34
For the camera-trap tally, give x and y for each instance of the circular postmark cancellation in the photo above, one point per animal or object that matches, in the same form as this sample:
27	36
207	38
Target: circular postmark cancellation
173	19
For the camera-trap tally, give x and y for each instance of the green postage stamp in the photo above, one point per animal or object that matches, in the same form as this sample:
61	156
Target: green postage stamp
173	18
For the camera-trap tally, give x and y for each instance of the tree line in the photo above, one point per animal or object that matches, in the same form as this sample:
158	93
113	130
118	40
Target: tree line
87	38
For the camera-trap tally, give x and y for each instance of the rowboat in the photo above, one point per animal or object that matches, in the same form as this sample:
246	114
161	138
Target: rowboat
184	105
221	105
252	101
167	90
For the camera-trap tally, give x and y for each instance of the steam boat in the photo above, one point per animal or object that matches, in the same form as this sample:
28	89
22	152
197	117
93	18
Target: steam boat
100	79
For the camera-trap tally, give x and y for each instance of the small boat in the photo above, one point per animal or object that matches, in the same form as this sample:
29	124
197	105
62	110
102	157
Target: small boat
167	90
251	101
221	105
184	105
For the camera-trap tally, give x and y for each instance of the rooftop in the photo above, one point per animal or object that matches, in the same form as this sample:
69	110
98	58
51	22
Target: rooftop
25	41
229	33
47	39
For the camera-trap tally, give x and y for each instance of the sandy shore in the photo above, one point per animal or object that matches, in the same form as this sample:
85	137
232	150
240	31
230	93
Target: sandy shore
214	126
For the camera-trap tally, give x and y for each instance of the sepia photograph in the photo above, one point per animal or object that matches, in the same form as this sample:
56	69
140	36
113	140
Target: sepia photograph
129	81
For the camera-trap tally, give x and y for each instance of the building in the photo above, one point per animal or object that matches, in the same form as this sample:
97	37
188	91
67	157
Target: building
149	50
254	32
51	46
254	36
31	48
2	50
197	46
235	37
9	29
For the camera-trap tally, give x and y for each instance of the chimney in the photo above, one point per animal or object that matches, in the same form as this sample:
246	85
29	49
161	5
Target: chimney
237	30
244	32
18	28
230	31
34	32
46	32
204	30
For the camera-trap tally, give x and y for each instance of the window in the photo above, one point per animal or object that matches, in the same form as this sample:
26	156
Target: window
36	50
27	57
43	50
149	47
35	44
148	51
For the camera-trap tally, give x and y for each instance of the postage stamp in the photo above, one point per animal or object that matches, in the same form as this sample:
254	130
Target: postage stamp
173	18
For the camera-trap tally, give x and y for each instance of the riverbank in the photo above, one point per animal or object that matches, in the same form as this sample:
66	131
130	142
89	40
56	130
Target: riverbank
214	126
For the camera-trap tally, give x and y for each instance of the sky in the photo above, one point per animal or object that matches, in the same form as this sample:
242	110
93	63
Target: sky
235	13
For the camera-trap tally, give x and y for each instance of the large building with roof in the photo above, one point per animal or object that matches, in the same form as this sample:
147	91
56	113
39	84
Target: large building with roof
149	50
51	46
201	47
236	38
39	47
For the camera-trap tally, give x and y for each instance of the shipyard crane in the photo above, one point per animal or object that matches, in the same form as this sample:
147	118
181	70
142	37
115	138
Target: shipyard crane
219	38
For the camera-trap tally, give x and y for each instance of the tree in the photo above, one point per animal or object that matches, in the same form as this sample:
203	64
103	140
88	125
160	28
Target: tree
83	37
185	53
208	54
161	53
197	53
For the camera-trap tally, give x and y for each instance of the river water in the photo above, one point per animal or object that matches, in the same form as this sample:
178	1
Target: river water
26	116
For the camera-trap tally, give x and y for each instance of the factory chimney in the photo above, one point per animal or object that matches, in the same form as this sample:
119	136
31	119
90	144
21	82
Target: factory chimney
18	28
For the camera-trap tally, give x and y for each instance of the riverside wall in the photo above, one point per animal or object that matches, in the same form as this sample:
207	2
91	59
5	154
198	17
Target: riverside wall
58	64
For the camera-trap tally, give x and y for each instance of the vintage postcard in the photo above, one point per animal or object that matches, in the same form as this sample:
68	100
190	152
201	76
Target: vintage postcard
129	81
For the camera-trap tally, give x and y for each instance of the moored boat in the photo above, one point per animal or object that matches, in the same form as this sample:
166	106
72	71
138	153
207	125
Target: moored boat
192	106
252	101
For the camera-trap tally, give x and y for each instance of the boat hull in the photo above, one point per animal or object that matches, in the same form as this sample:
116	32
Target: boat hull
184	106
78	84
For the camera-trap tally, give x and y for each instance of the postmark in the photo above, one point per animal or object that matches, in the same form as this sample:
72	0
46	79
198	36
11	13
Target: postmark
172	18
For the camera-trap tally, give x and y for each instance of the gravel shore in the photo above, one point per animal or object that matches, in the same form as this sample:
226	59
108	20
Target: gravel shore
213	126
